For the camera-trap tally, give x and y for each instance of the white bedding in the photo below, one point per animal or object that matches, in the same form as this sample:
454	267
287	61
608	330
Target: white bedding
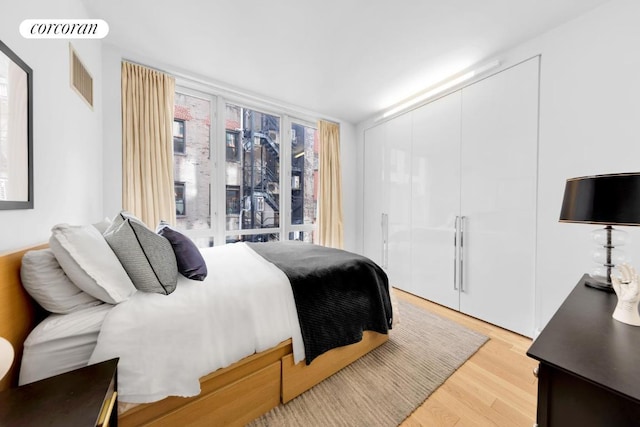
61	343
166	343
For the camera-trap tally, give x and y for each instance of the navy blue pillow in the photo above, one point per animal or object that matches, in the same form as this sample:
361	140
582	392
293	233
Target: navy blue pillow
190	262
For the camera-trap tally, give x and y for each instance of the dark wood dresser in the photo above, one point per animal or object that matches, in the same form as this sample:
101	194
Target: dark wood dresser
86	397
589	372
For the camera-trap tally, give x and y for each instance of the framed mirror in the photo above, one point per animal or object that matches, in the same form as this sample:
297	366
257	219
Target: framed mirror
16	131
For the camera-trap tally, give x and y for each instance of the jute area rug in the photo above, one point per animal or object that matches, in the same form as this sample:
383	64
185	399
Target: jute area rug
385	386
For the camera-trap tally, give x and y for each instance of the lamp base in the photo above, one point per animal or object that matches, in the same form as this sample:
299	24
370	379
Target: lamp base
598	284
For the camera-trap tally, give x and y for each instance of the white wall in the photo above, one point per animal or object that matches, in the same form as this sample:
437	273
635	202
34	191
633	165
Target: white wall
67	134
589	115
112	130
350	195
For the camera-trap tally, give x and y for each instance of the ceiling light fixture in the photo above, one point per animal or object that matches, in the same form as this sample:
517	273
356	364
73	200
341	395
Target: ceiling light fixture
439	88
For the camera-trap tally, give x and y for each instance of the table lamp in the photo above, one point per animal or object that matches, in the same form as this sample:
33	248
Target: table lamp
6	357
612	199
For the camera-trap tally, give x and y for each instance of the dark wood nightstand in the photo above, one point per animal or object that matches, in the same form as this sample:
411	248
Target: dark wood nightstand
84	397
589	364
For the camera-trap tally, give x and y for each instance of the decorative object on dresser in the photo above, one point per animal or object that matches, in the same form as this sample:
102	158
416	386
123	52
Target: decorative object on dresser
85	397
628	293
589	370
611	199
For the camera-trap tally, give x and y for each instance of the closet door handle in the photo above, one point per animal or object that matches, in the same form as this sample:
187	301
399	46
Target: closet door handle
385	239
455	253
461	252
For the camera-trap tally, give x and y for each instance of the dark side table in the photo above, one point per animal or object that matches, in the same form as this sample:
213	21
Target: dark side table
589	372
84	397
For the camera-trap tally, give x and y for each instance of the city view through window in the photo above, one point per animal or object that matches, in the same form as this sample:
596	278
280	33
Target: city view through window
259	204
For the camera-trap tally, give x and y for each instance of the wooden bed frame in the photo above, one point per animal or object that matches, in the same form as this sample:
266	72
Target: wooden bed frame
233	395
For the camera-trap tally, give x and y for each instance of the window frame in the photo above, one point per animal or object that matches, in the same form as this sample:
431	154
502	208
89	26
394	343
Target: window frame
227	146
266	230
215	193
310	228
184	137
177	184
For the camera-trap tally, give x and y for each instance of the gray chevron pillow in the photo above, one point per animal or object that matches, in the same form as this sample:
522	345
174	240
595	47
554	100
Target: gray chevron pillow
147	257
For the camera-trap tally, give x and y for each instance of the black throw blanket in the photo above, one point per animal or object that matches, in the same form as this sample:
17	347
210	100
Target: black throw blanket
338	294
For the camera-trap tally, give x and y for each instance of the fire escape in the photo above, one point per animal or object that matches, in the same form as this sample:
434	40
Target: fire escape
261	188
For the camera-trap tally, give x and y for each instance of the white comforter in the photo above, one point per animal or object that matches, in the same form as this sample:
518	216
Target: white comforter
167	343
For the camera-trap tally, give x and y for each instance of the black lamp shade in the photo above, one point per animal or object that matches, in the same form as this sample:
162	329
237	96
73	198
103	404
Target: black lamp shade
612	199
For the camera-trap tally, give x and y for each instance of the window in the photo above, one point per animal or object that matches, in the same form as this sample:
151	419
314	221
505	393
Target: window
232	146
230	180
304	171
180	199
254	170
304	181
192	167
178	136
233	200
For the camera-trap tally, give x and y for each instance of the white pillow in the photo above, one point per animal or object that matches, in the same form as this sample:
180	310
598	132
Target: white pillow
90	263
45	281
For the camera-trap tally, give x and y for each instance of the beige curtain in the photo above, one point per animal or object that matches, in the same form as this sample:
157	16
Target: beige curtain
330	222
147	144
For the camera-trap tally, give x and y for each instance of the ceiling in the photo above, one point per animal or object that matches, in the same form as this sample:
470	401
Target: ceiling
342	59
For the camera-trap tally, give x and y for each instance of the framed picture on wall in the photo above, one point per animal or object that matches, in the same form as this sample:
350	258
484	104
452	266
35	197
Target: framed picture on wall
16	131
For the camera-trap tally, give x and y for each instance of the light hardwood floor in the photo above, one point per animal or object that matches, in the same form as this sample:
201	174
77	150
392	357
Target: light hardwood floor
495	387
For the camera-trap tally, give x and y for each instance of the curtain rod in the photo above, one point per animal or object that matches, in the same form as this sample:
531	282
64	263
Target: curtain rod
236	92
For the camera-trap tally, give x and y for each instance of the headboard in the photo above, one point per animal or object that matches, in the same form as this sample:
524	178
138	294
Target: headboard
19	313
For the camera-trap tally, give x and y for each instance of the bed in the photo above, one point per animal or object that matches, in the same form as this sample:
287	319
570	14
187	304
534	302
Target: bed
230	395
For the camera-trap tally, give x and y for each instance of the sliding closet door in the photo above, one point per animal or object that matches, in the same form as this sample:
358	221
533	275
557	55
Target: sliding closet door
398	155
435	200
498	196
375	193
387	198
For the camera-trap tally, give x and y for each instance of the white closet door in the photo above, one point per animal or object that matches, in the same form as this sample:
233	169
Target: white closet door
375	192
398	156
498	194
435	199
